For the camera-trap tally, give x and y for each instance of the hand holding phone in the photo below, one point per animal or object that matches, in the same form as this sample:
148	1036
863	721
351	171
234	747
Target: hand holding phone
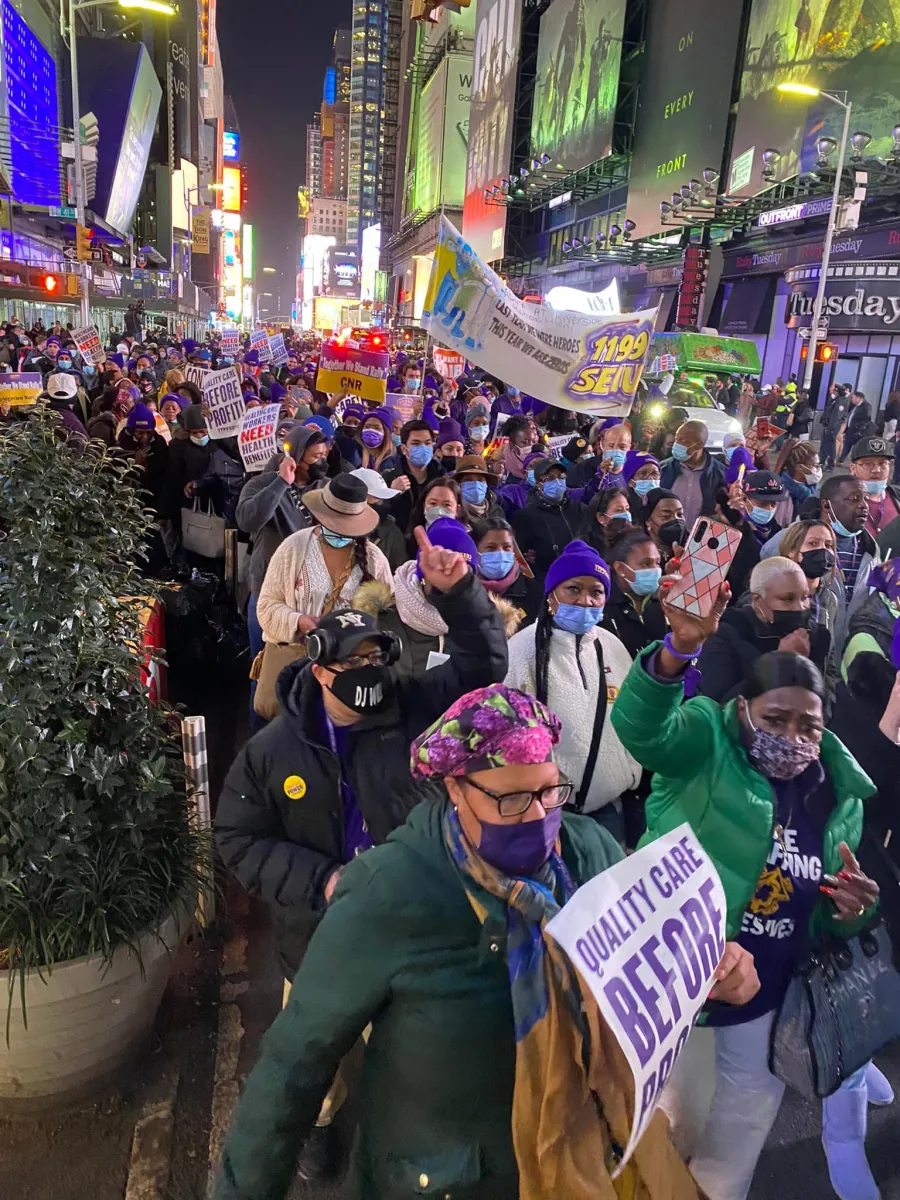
708	555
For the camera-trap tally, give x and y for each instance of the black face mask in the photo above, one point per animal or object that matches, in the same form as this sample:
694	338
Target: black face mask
449	461
784	622
316	471
365	690
673	533
816	563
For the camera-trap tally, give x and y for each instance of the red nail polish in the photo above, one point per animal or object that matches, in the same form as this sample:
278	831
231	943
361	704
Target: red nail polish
827	890
843	875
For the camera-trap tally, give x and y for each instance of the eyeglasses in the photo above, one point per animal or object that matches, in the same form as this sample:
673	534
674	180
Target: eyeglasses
375	658
514	804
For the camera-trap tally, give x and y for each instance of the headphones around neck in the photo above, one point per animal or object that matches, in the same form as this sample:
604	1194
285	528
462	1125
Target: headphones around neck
322	647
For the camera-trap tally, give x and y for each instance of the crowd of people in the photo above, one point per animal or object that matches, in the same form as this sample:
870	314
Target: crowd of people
471	694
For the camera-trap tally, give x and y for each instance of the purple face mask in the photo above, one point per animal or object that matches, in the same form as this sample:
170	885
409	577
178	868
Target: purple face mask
372	437
520	850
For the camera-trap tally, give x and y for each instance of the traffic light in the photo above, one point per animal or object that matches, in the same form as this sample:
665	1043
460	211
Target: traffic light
82	243
51	284
826	352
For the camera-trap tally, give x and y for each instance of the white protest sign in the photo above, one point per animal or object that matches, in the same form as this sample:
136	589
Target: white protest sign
89	346
501	420
277	350
259	341
556	445
195	374
257	436
224	402
231	340
647	936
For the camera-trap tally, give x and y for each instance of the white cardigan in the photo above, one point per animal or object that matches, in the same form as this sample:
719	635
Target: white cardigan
615	770
277	609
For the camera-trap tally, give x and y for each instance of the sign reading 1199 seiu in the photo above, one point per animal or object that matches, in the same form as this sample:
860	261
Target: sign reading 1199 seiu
587	363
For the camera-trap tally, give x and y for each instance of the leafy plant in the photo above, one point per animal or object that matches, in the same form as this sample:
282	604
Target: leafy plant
96	838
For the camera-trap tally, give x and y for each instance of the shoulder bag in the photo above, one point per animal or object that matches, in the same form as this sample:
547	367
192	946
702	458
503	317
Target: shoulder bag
202	532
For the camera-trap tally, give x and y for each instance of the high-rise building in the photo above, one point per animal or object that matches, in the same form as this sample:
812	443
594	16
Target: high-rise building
368	134
314	179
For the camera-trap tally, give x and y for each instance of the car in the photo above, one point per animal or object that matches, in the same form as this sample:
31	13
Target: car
697	405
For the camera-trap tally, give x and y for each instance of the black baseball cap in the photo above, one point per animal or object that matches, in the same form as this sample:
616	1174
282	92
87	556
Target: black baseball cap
347	629
764	485
872	447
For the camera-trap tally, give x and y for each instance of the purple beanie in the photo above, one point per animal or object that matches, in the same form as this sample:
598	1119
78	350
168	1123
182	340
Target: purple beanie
451	535
118	359
355	410
430	417
276	392
252	357
384	415
450	431
181	401
634	460
530	459
140	417
578	558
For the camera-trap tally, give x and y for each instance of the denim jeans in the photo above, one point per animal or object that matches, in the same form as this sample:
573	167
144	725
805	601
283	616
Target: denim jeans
745	1104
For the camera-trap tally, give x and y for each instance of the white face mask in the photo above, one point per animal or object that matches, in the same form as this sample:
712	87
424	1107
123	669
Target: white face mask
813	475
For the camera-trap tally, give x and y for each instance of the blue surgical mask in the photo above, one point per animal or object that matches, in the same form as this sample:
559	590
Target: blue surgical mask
474	491
679	452
619	516
496	564
554	489
842	530
618	459
572	618
729	453
395	438
646	581
88	369
335	540
64	364
644	487
228	361
200	441
413	385
761	516
529	475
875	487
421	456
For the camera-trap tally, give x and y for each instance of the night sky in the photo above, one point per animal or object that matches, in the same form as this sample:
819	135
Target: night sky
274	55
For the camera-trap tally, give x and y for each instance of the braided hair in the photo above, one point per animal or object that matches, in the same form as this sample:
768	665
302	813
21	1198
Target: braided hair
361	558
543	632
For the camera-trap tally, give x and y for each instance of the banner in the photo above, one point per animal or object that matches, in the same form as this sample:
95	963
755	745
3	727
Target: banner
224	402
19	389
647	936
257	436
89	346
195	374
200	226
231	340
586	363
277	350
448	362
362	373
259	341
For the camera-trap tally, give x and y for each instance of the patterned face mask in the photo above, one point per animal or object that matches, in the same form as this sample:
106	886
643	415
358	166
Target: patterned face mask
778	757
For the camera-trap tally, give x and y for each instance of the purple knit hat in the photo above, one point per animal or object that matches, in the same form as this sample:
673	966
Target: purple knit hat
384	415
355	410
450	431
181	401
578	558
451	535
634	460
431	417
530	459
252	358
494	726
140	417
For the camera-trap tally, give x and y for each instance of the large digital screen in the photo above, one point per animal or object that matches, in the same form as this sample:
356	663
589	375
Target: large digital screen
685	94
231	146
850	46
496	59
33	112
443	135
134	149
579	54
231	189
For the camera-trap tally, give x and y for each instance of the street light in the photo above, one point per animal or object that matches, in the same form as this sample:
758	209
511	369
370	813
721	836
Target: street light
156	6
269	271
804	89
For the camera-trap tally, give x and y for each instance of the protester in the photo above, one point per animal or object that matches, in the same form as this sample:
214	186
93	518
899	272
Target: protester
415	463
610	440
478	425
223	480
498	566
190	454
61	394
859	423
450	444
546	525
476	485
692	473
663	515
456	1056
386	536
633	612
811	544
641	474
521	434
440	497
775	800
857	550
801	474
872	462
608	513
375	441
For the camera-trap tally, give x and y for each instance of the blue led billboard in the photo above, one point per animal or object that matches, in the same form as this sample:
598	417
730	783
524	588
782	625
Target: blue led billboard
33	112
231	146
330	89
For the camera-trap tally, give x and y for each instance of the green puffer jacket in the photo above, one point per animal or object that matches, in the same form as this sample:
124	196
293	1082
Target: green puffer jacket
703	776
400	947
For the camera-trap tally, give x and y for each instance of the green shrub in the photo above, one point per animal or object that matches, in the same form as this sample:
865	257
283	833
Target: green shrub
96	840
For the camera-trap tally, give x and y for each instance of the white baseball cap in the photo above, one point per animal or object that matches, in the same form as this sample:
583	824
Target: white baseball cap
62	386
375	484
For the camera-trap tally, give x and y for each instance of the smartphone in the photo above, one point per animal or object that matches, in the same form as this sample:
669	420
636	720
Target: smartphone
709	553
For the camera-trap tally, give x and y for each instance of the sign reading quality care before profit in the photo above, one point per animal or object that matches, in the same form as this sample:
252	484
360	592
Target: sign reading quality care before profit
257	436
224	402
647	936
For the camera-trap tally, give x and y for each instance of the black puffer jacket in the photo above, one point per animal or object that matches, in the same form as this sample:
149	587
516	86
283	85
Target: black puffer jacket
283	850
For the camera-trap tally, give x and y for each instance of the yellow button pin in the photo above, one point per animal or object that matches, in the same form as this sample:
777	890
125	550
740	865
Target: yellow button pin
295	787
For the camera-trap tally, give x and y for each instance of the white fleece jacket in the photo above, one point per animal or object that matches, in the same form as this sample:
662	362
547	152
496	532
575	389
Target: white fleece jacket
575	704
291	589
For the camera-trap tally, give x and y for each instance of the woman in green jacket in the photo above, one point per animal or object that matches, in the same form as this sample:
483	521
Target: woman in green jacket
777	802
436	938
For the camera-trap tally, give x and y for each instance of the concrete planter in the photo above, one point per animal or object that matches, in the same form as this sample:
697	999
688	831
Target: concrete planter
86	1021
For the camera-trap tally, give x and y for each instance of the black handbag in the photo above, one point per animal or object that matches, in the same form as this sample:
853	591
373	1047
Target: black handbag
841	1007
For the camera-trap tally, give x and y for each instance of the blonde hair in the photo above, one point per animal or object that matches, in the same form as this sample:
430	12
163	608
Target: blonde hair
173	379
791	544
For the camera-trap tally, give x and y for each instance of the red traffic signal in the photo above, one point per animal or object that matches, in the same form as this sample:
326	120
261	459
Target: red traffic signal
51	284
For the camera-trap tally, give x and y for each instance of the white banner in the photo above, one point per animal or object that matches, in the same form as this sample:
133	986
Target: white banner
259	341
647	936
257	436
224	402
587	363
89	345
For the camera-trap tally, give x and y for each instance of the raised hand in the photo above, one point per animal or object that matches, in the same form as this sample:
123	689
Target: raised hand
442	569
689	632
287	469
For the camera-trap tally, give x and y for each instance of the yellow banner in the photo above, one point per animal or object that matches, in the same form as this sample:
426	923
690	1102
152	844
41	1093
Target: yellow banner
18	389
200	233
352	383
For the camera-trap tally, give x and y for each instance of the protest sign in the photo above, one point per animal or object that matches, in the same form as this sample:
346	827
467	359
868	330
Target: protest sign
224	402
89	346
231	340
363	373
195	374
257	436
587	363
18	389
406	406
647	936
259	341
449	363
277	349
556	445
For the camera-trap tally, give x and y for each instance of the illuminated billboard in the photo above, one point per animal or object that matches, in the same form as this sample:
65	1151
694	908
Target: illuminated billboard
134	150
371	256
31	100
579	54
231	189
247	248
686	90
231	146
850	46
440	170
495	64
343	271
